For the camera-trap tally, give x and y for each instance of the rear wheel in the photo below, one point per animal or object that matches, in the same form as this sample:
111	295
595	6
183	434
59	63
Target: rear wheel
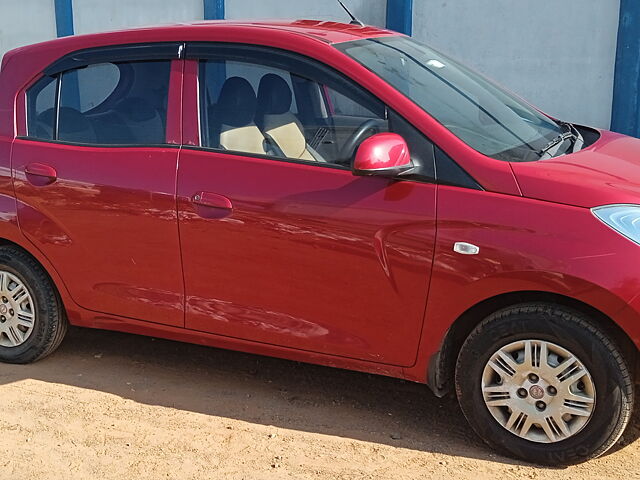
541	382
32	320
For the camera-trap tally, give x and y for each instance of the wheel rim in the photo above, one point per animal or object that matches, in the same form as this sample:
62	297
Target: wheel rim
17	311
538	391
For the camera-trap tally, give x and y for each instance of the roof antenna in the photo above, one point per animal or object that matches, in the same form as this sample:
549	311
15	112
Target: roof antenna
354	20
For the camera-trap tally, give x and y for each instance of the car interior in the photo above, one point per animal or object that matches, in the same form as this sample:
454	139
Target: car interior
246	108
266	111
126	107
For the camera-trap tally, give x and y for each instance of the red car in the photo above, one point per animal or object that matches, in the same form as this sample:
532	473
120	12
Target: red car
326	193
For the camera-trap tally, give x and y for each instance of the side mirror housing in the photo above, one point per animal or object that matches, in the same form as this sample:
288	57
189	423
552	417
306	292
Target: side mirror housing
384	155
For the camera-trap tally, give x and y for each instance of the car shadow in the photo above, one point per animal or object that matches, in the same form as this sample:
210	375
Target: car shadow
265	391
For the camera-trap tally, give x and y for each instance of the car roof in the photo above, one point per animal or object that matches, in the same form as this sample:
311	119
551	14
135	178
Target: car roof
326	31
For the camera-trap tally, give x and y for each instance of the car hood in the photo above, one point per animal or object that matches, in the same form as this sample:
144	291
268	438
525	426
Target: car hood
604	173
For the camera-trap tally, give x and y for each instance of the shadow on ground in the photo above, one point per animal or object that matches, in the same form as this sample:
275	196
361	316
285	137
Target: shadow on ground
263	390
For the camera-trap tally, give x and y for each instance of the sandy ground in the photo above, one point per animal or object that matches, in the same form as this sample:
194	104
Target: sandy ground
115	406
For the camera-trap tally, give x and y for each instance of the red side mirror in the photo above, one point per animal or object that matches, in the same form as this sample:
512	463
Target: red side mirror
384	154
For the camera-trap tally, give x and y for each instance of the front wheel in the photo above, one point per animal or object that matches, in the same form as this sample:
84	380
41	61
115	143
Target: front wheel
541	382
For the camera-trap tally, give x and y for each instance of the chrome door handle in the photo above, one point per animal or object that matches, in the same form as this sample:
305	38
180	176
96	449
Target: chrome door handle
212	200
40	174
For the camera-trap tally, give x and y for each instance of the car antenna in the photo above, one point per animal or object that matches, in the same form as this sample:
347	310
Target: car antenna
354	20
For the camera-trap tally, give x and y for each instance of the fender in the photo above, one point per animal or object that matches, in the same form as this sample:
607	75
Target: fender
531	246
10	232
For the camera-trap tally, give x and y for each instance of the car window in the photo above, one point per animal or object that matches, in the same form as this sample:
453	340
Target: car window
489	119
341	105
87	88
252	73
289	113
41	98
105	104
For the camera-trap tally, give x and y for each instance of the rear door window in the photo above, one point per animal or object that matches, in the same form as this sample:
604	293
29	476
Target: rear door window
104	103
41	102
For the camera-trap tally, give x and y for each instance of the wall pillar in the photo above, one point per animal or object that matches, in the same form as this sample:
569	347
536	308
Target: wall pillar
400	16
214	9
64	17
625	117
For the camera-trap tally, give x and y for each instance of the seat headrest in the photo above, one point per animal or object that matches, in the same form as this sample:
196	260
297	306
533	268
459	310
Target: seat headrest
236	105
274	95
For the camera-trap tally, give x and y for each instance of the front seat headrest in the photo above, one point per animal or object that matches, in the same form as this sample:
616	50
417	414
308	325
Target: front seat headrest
236	103
274	95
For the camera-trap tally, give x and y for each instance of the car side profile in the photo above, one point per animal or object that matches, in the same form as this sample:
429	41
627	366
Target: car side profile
327	193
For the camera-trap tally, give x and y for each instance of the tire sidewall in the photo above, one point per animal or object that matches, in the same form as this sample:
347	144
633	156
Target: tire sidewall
45	311
573	336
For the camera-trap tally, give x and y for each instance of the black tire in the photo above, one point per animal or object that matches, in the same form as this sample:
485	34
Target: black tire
572	331
50	323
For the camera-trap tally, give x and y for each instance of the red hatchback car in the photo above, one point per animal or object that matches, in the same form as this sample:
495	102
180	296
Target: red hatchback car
327	193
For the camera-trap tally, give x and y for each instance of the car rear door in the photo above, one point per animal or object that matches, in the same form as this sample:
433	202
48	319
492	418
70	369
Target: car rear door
95	174
290	252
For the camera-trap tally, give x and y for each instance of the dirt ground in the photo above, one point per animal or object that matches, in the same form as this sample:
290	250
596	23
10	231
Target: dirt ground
115	406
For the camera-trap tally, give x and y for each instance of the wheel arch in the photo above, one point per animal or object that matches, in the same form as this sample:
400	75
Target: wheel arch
442	363
48	268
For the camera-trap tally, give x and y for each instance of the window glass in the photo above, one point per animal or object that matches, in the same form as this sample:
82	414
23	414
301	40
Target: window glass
88	87
41	99
341	105
487	118
115	103
296	113
124	103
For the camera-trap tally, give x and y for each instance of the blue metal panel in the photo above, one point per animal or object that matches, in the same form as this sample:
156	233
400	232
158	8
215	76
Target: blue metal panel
400	16
64	17
625	117
213	9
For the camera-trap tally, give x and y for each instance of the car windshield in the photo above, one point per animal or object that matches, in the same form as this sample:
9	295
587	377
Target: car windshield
484	116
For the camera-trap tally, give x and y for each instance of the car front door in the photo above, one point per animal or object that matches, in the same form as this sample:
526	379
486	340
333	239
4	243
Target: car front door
281	244
95	179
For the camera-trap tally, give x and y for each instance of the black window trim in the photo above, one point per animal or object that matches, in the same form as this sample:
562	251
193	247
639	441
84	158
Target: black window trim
224	50
98	145
131	52
234	153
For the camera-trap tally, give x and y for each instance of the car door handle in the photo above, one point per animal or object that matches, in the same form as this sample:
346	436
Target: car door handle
39	174
212	200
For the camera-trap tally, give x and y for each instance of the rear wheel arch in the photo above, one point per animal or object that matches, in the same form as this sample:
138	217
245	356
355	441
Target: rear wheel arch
50	271
442	364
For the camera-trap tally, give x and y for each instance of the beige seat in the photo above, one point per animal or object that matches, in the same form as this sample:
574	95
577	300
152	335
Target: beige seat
233	118
278	123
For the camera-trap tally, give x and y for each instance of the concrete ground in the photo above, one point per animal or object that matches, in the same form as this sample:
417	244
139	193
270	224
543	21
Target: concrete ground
116	406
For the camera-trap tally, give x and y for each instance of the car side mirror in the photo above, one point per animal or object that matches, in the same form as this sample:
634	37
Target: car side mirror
383	155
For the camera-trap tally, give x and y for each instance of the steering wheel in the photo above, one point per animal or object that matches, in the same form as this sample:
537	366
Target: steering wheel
361	134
